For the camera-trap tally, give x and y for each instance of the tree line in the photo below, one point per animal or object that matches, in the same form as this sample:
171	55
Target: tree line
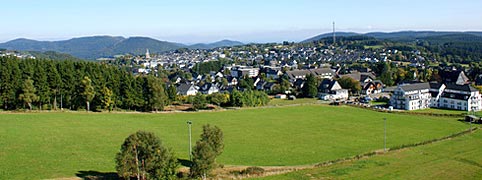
47	84
50	85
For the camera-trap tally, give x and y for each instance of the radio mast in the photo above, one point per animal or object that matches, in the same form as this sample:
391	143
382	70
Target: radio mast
334	38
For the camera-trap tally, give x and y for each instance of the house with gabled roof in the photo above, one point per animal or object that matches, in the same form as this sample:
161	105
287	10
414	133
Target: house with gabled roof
187	89
330	89
209	88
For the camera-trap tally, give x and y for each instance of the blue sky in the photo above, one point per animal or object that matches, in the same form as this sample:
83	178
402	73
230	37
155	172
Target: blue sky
190	21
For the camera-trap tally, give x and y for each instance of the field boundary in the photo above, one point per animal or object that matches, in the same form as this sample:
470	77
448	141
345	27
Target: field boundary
407	112
396	148
228	170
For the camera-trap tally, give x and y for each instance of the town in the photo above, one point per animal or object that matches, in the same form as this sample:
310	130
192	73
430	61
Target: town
208	90
281	70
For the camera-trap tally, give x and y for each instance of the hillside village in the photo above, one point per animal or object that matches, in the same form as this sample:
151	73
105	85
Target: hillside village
281	69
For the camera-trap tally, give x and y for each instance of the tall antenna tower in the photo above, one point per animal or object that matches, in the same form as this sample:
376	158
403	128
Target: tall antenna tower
334	38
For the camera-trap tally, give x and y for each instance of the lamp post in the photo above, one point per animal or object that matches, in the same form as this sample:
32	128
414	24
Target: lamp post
189	123
385	135
470	119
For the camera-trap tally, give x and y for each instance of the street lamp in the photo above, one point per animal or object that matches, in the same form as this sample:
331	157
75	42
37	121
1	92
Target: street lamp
385	135
470	119
189	123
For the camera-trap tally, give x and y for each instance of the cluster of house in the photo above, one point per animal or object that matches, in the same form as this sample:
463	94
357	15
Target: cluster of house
329	88
5	53
454	93
299	56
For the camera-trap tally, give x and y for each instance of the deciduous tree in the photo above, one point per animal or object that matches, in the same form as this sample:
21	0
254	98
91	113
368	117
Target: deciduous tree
143	156
28	96
88	91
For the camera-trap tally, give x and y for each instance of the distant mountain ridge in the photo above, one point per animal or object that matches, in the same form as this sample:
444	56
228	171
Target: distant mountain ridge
106	46
396	36
222	43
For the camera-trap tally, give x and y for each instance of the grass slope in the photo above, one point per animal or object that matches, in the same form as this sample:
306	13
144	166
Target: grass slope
459	158
52	145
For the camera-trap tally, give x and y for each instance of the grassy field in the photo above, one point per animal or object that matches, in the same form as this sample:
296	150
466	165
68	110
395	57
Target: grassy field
284	102
440	111
52	145
458	158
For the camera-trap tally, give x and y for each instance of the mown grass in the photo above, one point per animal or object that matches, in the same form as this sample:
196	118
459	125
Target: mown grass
441	111
52	145
284	102
458	158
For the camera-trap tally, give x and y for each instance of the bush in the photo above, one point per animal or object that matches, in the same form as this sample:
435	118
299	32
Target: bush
204	154
254	170
199	102
142	156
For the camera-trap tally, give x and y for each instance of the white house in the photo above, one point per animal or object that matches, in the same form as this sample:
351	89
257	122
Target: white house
330	89
187	89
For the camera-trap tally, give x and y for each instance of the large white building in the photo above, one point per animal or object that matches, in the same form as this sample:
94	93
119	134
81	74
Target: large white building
460	97
446	96
411	96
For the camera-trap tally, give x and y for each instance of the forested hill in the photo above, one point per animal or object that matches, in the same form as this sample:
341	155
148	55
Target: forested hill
403	36
95	47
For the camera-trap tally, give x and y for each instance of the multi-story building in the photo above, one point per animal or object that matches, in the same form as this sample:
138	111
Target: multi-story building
437	95
460	97
411	96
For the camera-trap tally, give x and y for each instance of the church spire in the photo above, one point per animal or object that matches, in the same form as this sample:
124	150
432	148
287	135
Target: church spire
148	56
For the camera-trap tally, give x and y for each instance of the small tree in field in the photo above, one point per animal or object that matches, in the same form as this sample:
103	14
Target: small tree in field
142	156
210	146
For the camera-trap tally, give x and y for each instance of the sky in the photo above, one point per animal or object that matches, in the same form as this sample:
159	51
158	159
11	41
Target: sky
194	21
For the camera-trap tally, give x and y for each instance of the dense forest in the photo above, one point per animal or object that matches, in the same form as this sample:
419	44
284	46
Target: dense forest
62	84
46	84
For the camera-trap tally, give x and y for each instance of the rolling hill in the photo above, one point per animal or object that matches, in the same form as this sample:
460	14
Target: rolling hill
222	43
399	36
106	46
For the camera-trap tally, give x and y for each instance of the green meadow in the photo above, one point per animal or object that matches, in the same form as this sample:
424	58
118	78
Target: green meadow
55	145
457	158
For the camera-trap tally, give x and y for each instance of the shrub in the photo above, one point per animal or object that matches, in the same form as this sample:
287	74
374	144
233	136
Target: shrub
142	156
254	170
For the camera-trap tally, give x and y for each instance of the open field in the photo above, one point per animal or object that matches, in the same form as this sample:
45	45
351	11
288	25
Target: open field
53	145
284	102
441	111
458	158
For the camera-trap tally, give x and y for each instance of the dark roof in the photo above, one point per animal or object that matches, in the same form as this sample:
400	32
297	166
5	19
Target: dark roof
458	77
435	85
321	71
294	73
360	76
183	88
414	87
478	80
466	88
315	72
326	85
